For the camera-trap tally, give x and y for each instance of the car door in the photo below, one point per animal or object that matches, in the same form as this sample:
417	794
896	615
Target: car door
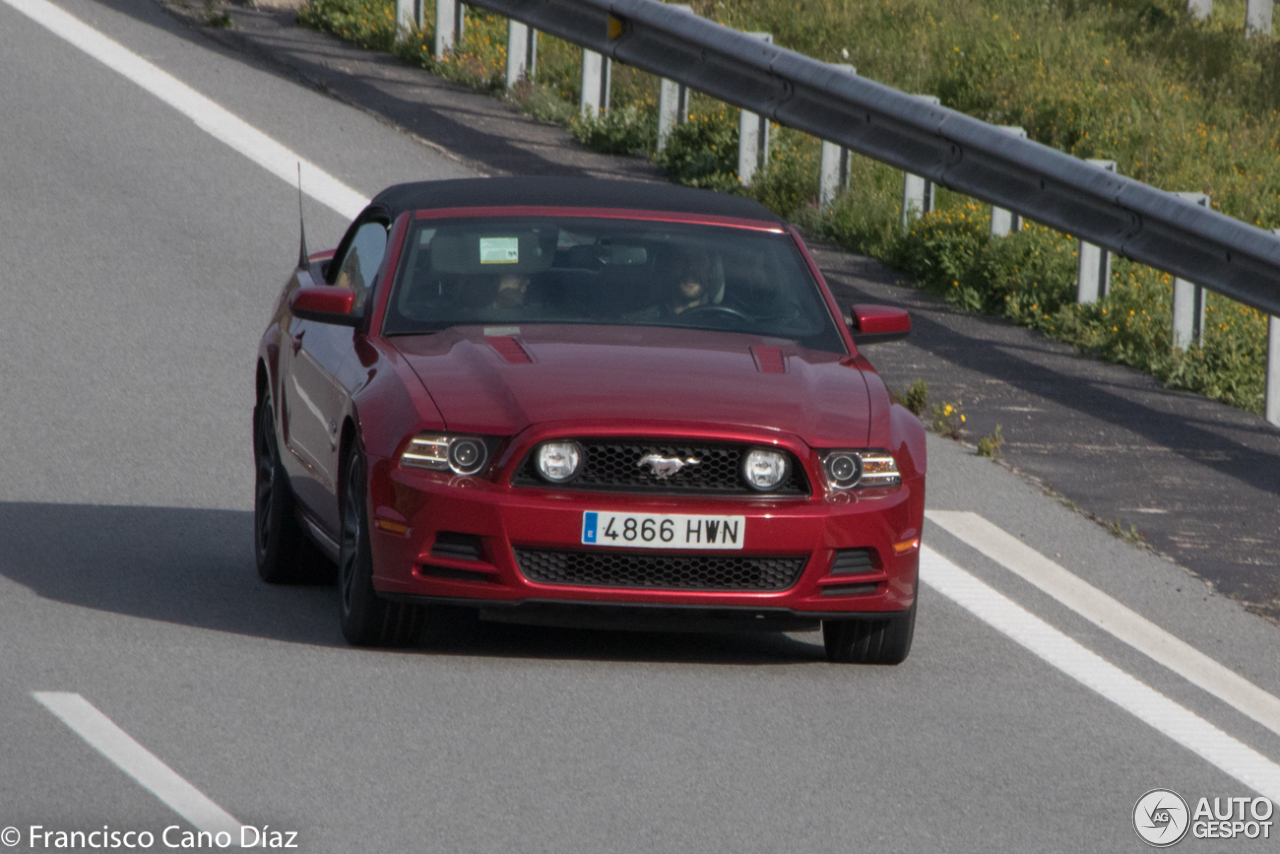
315	399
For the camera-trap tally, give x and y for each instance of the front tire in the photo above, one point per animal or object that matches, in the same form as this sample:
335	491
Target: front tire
281	548
367	619
885	640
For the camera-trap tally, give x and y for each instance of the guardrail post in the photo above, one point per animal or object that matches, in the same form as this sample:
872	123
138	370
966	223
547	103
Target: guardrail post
833	168
1004	222
673	100
917	192
522	46
406	16
1188	298
1199	9
446	21
1257	18
593	97
753	135
1093	274
673	109
1271	406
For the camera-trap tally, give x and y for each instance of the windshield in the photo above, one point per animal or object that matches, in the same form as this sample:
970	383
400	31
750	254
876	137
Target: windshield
532	270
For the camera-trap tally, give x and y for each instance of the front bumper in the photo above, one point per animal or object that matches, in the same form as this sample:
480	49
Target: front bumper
411	509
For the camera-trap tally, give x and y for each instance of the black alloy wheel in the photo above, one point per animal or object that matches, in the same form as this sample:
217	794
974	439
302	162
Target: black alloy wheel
885	640
284	555
367	619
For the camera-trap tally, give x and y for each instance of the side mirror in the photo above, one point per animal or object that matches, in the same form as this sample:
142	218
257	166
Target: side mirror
876	324
325	304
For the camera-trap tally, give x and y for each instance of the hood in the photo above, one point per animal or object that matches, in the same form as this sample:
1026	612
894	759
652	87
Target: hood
501	382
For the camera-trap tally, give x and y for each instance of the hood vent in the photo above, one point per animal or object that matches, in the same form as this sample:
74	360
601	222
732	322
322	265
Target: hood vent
769	360
510	349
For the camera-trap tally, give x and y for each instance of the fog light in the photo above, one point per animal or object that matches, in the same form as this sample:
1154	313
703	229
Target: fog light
764	470
559	462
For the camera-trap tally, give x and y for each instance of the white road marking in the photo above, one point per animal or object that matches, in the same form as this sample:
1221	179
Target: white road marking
1111	616
1091	670
207	114
138	762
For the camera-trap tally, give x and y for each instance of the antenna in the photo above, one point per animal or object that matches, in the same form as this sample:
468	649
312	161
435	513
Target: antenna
303	263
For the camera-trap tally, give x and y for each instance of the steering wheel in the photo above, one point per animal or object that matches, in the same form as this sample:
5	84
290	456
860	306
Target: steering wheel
712	307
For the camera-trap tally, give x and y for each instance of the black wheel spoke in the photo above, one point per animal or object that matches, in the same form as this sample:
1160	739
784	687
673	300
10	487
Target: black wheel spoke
265	482
280	543
350	547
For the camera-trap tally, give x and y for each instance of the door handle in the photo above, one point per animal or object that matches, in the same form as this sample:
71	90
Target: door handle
297	341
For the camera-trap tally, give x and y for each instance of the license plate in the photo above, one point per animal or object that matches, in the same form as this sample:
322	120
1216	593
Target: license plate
663	530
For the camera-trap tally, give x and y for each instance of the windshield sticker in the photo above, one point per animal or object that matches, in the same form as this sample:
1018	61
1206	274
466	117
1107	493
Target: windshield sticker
501	331
499	250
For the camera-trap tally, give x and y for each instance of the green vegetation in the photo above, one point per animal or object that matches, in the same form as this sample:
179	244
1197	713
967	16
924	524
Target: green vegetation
1180	104
990	444
947	419
916	397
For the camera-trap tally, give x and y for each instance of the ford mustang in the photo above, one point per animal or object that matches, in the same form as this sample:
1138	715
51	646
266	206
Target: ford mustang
585	402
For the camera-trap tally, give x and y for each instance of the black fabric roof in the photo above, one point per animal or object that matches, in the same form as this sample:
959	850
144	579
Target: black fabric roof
567	192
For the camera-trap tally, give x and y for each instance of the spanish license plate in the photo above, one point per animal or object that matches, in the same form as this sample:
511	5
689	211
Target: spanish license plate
663	530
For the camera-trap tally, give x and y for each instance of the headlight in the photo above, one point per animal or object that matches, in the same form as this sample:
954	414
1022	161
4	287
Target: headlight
559	462
764	469
862	469
438	452
843	469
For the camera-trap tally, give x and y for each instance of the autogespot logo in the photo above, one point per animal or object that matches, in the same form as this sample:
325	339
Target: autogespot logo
1160	818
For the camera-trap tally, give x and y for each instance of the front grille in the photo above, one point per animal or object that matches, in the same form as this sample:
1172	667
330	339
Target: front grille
671	572
613	465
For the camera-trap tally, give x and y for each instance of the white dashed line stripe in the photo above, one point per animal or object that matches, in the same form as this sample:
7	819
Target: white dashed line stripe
1111	616
1091	670
207	114
138	762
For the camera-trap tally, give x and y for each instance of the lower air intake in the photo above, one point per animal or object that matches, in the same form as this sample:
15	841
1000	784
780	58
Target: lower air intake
670	572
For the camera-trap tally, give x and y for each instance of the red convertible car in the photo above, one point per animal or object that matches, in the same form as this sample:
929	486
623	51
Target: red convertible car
585	402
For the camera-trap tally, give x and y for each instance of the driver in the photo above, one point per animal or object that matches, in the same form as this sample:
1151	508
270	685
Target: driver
487	292
512	290
692	284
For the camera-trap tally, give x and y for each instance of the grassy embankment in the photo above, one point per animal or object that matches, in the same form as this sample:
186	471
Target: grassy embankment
1182	105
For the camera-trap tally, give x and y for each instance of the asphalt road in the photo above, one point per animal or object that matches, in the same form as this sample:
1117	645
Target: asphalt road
139	258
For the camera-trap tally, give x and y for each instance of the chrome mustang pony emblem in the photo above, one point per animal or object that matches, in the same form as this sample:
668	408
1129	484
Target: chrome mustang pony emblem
664	467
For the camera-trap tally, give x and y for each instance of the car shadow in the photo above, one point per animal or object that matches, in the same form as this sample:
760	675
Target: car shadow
195	567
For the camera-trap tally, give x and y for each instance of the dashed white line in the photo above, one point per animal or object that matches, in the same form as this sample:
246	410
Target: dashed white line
207	114
1091	670
1111	616
138	762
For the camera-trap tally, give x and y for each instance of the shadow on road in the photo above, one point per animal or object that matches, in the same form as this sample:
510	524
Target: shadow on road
196	568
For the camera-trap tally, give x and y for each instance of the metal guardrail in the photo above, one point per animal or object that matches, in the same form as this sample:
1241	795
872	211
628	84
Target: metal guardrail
949	148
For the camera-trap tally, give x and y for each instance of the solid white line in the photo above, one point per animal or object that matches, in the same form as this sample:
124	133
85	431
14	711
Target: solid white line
1108	614
1140	700
138	762
207	114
